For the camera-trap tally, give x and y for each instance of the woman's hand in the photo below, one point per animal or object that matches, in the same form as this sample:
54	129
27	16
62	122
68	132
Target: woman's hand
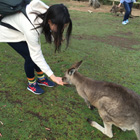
119	5
57	80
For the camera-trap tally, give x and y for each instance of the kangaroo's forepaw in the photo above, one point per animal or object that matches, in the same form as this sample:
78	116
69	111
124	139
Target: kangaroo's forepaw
89	121
92	107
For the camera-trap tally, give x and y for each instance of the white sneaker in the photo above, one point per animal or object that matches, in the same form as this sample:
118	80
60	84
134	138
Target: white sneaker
127	21
124	23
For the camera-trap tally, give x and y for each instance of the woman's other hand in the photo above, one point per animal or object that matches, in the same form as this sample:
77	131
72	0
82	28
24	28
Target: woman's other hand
119	5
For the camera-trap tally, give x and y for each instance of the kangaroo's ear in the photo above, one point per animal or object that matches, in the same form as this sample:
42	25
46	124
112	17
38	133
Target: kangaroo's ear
77	65
71	71
74	68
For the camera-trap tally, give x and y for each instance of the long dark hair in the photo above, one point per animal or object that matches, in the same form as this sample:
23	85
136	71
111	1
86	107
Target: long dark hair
59	15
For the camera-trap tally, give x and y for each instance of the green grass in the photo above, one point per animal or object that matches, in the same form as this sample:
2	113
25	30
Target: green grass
26	116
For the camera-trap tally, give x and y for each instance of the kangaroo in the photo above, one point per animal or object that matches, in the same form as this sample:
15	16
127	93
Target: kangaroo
116	104
115	9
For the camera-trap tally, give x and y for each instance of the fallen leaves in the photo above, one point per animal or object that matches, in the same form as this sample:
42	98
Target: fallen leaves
1	122
48	129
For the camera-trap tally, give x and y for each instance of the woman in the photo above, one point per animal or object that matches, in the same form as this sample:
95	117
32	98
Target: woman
128	6
46	20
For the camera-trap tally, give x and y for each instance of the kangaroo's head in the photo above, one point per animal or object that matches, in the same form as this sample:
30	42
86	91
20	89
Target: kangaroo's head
69	74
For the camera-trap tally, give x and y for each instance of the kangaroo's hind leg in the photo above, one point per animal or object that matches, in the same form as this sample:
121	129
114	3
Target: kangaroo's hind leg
107	129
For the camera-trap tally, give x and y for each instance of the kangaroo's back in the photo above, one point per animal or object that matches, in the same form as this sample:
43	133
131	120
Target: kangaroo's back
121	94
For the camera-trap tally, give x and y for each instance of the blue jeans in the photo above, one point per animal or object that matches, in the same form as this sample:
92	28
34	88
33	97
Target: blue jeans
29	65
128	7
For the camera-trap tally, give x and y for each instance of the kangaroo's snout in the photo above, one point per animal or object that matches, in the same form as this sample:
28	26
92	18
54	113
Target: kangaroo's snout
63	79
66	79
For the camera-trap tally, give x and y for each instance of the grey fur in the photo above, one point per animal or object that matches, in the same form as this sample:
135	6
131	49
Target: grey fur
116	104
116	10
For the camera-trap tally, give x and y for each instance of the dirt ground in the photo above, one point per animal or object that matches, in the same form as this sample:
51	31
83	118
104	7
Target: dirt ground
84	6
